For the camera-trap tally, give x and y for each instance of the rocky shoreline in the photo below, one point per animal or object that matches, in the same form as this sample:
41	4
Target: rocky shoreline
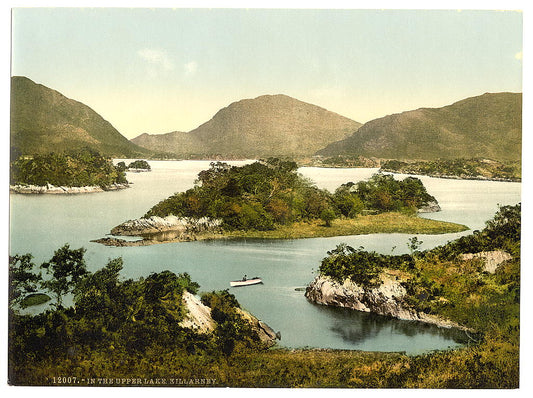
385	299
431	207
62	190
162	230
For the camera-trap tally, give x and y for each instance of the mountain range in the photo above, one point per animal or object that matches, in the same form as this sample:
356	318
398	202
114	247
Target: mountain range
486	126
269	125
44	120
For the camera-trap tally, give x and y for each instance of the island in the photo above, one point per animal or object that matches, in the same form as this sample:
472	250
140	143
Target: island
82	171
269	199
137	166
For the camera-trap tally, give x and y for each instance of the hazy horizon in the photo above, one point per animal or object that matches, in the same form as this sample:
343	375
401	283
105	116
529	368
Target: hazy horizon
161	70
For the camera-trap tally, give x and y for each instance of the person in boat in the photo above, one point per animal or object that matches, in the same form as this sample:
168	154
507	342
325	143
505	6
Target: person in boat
244	278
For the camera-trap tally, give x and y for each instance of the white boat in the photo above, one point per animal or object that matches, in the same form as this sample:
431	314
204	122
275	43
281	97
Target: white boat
245	281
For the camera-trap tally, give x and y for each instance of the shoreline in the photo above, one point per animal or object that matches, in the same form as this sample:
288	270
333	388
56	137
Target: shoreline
63	190
172	230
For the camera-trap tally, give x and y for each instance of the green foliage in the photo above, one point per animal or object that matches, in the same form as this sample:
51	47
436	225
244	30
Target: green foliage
251	197
502	232
345	262
22	279
232	330
139	164
384	193
265	195
121	167
66	269
133	319
82	168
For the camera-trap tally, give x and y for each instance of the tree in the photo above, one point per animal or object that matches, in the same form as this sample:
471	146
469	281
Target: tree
22	281
414	244
327	215
121	167
66	268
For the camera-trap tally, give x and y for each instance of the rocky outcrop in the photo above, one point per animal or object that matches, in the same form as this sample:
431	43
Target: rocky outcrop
155	225
430	207
52	189
385	299
199	318
491	259
198	315
265	332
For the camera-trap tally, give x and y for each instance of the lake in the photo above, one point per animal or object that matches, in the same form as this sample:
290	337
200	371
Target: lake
41	224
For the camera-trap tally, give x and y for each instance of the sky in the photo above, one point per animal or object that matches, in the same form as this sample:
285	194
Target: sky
162	70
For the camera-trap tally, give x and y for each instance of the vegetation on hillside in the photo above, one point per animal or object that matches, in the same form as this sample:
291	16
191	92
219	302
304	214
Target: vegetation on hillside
485	126
110	317
267	194
75	169
440	282
43	121
458	168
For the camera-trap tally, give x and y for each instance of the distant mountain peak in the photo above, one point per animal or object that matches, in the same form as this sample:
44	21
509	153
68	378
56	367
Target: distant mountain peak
268	125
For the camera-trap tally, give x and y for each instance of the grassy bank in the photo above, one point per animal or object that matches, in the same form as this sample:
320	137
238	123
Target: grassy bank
360	225
492	364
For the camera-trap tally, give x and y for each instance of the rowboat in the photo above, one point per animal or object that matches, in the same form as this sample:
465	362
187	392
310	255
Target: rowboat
245	282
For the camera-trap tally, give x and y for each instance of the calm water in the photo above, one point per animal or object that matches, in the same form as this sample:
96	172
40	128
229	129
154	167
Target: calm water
42	223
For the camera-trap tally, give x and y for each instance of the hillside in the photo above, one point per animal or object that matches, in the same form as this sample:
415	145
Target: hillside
43	120
269	125
486	126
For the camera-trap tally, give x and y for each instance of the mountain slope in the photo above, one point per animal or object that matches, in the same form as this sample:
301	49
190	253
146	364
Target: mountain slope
269	125
488	126
43	120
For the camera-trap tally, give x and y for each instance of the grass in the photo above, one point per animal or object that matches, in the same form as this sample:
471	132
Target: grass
34	299
361	225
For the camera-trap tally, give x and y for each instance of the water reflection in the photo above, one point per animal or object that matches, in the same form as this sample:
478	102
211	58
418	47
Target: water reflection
356	327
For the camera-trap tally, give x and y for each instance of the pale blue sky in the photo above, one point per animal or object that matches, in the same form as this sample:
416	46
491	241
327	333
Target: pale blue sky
162	70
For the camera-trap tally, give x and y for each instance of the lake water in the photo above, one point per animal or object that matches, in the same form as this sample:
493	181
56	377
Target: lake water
42	223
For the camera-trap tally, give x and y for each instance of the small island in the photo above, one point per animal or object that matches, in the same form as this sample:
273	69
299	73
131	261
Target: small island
269	199
83	171
137	166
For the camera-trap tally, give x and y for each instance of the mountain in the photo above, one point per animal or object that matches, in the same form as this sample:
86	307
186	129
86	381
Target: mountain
44	120
269	125
486	126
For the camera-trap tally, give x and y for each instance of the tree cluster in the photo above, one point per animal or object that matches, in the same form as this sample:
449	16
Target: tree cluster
267	193
136	164
76	169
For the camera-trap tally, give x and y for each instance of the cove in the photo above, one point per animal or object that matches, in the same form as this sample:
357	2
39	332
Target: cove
40	224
